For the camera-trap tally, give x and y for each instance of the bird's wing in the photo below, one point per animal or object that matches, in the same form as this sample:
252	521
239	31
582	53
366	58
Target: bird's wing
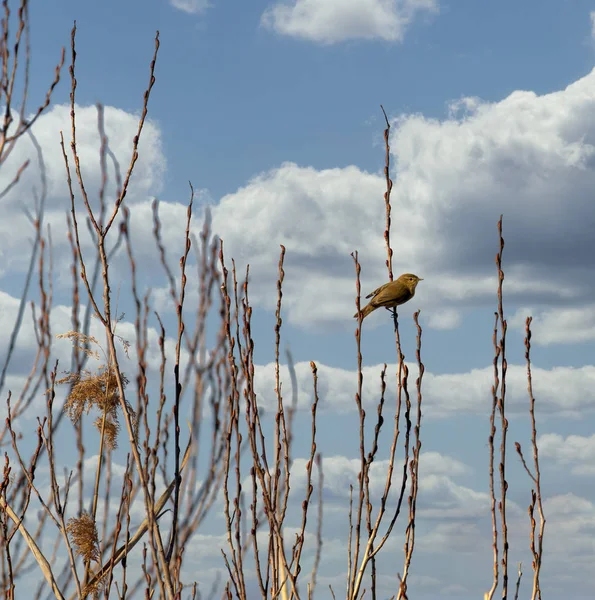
378	290
393	296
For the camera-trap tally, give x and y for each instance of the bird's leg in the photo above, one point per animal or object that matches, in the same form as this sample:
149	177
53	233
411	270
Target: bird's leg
394	315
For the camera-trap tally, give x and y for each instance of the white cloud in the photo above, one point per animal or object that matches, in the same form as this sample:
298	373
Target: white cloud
191	6
527	156
571	522
445	319
574	451
332	21
563	391
441	496
434	463
530	157
558	326
120	128
320	217
312	216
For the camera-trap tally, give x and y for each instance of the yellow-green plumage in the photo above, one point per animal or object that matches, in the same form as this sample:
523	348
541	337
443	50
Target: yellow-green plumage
391	294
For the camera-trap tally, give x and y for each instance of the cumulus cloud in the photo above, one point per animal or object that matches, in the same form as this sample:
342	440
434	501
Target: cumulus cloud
320	217
574	451
441	498
563	391
527	156
571	521
120	128
558	325
333	21
454	537
445	319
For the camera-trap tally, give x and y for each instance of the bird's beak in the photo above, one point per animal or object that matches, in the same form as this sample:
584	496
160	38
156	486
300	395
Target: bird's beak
420	278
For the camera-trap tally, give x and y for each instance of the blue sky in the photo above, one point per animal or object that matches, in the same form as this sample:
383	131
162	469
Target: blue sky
272	110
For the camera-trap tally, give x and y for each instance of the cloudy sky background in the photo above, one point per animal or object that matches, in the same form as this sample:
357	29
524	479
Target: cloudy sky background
272	111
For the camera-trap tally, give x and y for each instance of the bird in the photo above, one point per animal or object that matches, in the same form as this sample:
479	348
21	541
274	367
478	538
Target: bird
391	294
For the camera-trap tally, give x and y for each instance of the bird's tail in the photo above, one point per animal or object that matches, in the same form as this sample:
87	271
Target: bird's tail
366	310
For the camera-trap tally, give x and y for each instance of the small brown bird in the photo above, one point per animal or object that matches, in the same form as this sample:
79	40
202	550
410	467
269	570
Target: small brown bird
392	294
